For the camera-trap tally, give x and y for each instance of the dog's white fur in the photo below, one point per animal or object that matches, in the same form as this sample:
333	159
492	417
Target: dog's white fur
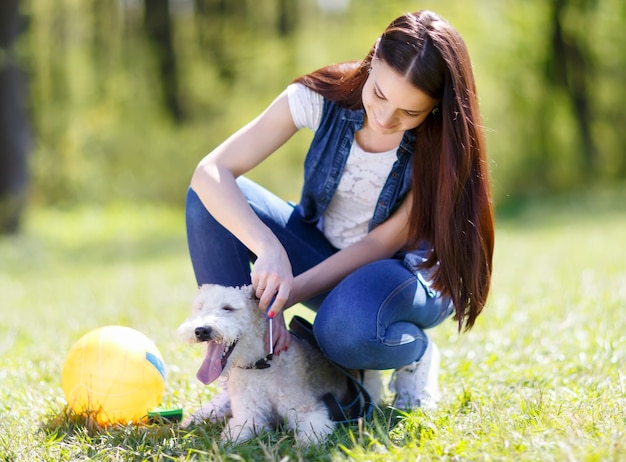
288	392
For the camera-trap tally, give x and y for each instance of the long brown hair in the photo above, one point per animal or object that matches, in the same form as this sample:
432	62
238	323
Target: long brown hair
451	194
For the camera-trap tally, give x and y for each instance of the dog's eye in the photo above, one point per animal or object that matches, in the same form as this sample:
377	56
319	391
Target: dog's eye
228	308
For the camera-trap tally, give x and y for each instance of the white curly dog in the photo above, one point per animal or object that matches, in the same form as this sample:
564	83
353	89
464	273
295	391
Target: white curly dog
286	389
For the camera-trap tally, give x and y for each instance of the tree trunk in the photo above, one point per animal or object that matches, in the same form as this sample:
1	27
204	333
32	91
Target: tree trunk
287	17
14	130
570	69
159	30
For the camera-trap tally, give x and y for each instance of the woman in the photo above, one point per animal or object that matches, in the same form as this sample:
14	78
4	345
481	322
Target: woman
394	229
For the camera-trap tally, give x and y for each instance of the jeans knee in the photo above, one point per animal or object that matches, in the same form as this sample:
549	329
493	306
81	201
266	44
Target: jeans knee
193	205
342	344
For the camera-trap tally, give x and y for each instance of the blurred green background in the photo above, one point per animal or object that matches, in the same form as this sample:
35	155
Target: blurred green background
122	98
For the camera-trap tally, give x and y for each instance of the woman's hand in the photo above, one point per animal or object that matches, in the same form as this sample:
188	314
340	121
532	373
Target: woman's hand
280	334
272	279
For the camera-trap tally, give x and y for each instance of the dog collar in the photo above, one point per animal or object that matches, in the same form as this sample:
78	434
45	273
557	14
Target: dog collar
262	363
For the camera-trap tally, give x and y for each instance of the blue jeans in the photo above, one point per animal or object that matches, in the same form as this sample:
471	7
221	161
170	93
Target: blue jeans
373	319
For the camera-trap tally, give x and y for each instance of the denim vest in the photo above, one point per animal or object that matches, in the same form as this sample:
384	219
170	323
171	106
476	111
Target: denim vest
324	165
326	159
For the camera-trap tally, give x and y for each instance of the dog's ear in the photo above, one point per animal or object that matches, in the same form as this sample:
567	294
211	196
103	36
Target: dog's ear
249	292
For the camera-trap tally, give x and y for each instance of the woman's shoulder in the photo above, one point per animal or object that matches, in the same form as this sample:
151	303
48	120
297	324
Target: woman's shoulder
300	91
306	105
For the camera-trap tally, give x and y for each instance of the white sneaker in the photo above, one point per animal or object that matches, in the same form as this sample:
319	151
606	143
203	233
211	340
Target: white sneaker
417	384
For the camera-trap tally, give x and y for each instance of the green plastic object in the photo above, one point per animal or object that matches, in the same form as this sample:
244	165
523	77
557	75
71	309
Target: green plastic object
167	415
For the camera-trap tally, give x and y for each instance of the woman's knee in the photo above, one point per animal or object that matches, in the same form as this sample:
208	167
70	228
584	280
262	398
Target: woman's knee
195	211
345	327
341	342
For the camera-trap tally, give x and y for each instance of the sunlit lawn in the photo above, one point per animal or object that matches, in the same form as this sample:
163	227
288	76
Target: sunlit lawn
541	377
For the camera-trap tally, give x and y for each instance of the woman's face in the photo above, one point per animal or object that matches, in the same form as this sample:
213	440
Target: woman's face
391	103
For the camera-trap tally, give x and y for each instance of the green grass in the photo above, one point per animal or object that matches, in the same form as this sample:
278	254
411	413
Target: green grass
542	376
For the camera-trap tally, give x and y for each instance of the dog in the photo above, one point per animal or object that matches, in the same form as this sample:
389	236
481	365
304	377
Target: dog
264	393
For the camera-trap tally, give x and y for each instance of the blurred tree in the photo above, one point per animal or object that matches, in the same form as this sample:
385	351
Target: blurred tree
103	13
158	26
107	77
216	20
570	68
14	130
287	17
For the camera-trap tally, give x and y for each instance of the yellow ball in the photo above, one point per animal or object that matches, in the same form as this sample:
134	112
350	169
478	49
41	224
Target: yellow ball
114	374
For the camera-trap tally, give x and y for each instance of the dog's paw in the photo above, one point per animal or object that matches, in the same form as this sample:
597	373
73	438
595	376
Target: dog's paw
189	421
310	437
237	432
217	409
310	428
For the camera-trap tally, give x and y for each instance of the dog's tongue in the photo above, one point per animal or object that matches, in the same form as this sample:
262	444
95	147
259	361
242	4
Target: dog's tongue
211	367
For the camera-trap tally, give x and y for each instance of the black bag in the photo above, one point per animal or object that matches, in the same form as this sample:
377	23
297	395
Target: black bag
359	403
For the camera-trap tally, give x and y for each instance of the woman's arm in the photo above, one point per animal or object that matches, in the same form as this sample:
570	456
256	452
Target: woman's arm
214	183
382	242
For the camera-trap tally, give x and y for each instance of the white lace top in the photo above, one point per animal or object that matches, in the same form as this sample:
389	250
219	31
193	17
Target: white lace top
347	217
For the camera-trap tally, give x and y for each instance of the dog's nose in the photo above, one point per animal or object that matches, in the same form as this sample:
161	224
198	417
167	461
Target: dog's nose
203	333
